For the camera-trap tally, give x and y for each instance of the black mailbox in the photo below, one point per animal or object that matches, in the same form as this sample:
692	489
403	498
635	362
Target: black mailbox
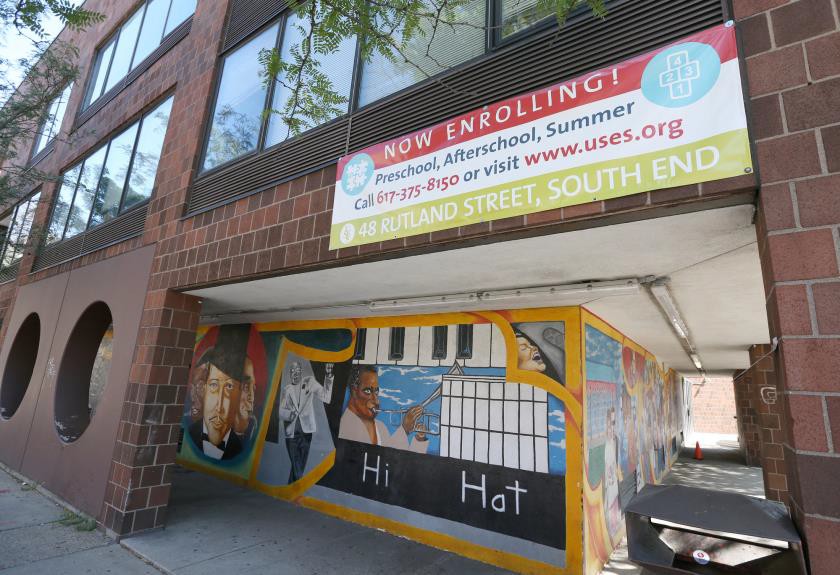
678	529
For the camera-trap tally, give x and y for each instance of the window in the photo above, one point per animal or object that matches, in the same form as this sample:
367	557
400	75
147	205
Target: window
440	333
240	102
18	224
115	177
144	31
335	65
237	121
51	124
396	345
452	45
465	341
361	343
239	125
520	14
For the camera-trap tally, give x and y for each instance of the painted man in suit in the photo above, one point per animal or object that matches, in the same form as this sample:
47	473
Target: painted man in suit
297	413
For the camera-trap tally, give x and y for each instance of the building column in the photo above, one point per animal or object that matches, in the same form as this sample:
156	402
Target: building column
761	421
792	54
746	410
139	483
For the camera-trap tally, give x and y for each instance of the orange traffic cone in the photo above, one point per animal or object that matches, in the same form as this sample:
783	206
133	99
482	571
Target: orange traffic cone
698	453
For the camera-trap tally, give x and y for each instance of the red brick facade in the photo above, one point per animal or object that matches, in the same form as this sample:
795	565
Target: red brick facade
792	61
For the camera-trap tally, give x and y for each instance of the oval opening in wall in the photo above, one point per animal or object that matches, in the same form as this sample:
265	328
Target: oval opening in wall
83	372
19	365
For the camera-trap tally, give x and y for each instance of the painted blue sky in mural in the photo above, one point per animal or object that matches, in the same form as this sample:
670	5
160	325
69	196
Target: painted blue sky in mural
556	436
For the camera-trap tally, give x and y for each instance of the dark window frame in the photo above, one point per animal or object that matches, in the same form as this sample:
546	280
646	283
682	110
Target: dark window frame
137	118
493	42
36	155
87	101
261	146
12	212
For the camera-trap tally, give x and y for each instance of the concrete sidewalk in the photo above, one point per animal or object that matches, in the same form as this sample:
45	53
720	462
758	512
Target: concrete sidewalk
33	541
213	525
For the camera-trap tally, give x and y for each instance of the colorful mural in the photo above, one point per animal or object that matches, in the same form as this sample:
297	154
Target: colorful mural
226	395
633	431
458	430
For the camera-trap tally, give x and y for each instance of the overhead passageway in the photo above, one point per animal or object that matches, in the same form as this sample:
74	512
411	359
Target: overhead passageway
710	257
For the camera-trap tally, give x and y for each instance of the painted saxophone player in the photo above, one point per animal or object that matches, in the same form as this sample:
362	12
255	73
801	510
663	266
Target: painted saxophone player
359	422
297	413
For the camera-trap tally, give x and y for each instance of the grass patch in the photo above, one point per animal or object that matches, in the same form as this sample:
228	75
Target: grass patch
77	520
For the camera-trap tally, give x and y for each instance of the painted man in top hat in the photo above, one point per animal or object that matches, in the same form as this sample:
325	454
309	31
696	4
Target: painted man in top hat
224	372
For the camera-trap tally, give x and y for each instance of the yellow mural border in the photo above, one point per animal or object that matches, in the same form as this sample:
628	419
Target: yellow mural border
571	394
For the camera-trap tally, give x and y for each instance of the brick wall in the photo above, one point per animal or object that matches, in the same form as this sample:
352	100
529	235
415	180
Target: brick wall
760	421
793	64
749	434
144	453
713	405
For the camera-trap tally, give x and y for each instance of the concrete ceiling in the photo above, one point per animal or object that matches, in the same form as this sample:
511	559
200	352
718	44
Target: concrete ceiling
711	257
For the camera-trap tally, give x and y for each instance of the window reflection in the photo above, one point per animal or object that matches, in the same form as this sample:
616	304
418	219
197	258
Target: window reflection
519	14
135	41
117	176
452	45
334	65
240	102
17	225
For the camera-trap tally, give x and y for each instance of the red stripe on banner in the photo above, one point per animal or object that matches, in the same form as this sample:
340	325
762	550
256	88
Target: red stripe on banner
598	85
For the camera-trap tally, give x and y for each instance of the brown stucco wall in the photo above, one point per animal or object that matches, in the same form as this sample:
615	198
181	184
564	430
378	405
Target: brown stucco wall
78	471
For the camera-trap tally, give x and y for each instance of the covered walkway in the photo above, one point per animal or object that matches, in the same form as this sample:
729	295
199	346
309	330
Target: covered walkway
722	468
214	524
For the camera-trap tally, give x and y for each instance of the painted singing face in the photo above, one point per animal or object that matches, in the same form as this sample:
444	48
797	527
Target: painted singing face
221	394
528	354
364	398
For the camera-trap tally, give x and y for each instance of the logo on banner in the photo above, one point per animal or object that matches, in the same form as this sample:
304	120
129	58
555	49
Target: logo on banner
681	75
357	173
